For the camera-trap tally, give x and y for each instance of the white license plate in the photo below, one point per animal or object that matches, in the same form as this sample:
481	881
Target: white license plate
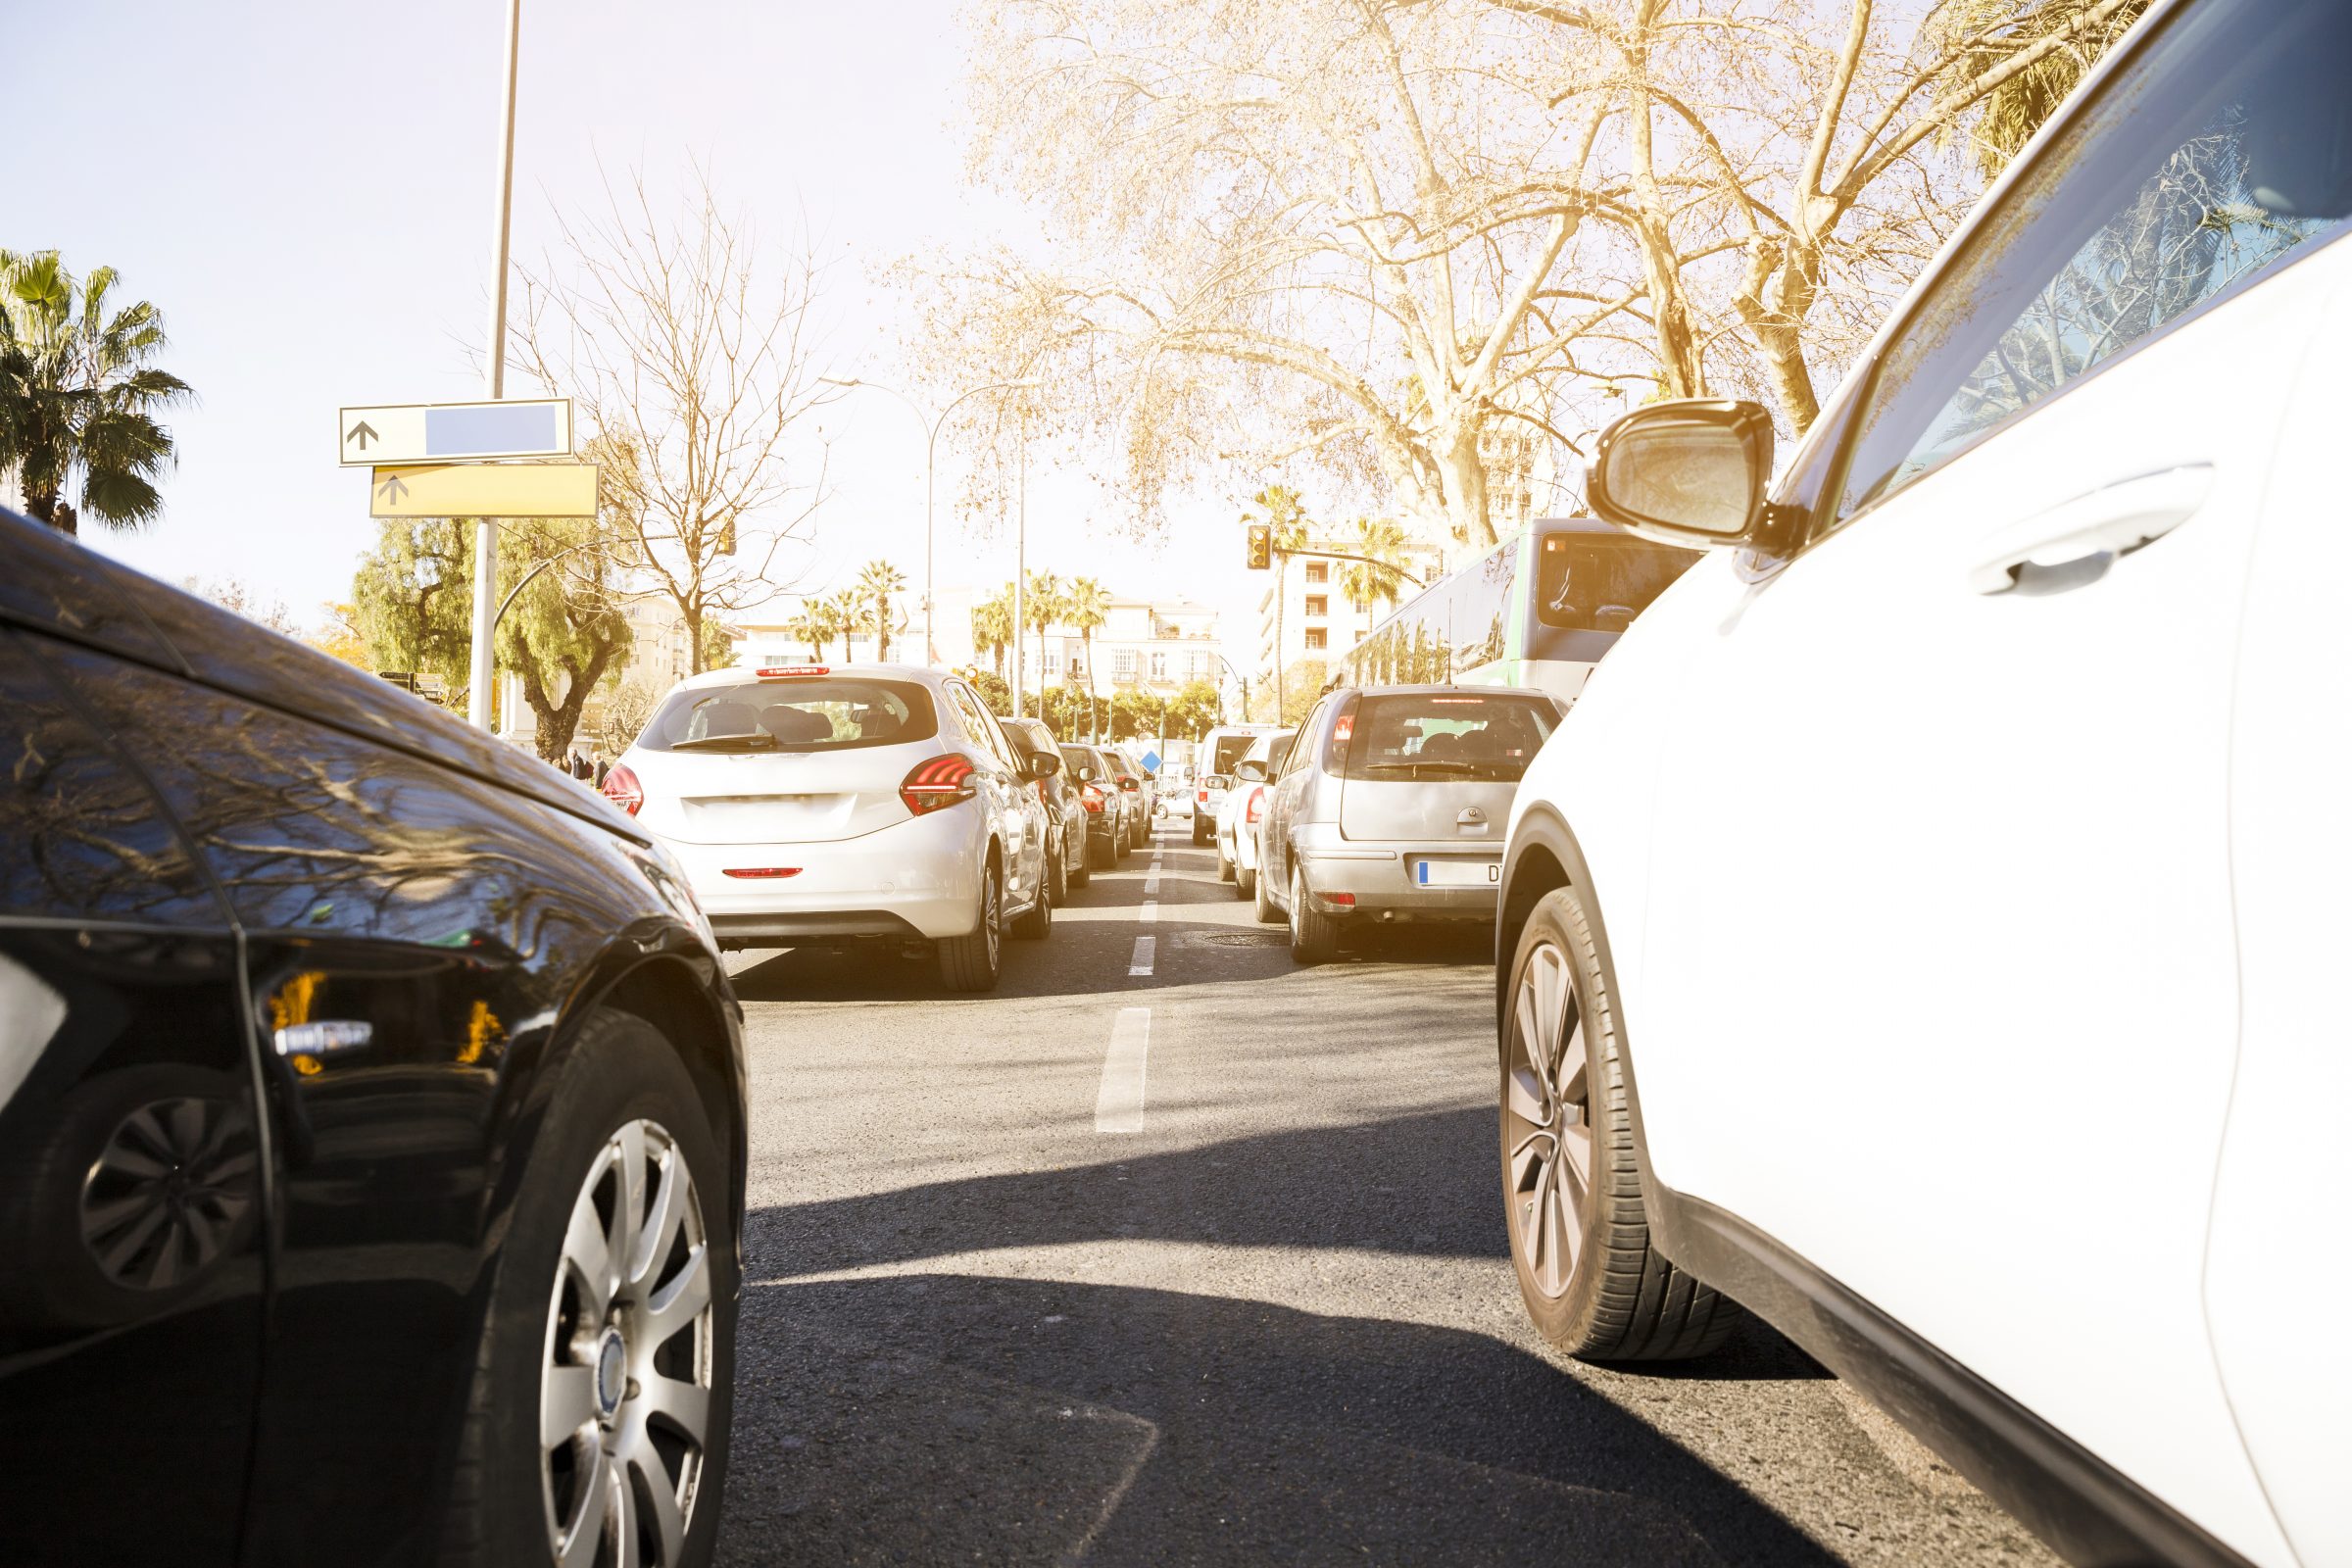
1458	873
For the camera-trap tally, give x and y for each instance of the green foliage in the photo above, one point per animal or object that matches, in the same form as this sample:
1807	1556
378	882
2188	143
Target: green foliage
993	691
1380	539
875	587
1135	712
1986	32
1064	709
79	396
992	627
565	631
412	597
1191	712
1301	683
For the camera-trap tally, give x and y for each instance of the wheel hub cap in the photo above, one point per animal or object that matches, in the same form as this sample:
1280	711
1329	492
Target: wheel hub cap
1546	1133
612	1373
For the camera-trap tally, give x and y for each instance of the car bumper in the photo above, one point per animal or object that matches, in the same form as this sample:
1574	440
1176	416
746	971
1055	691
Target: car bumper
1383	879
919	878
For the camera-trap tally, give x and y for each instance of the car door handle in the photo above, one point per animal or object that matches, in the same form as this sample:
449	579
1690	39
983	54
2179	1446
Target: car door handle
2074	543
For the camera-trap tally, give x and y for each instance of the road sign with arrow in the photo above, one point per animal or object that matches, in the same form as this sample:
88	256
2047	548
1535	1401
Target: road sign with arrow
485	490
452	433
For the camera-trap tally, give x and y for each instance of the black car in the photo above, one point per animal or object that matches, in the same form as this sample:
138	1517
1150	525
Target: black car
1068	865
372	1116
1110	813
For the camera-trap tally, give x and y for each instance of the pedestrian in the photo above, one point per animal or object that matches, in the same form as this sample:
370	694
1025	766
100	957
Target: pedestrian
602	768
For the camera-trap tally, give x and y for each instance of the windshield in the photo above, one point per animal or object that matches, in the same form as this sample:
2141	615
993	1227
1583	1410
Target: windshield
1439	735
797	714
1230	749
1599	582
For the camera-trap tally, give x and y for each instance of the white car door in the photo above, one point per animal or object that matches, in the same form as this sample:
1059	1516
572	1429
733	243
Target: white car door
1939	987
1001	788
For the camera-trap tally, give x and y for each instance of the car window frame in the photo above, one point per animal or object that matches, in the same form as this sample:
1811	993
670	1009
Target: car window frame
2112	74
1295	760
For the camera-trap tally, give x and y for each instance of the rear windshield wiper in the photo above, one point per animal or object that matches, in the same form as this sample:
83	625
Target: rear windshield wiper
726	743
1434	765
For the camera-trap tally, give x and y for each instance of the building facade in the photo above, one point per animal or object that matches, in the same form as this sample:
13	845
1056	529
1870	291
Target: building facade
1316	618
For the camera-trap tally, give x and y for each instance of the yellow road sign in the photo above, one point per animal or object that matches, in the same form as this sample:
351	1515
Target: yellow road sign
484	490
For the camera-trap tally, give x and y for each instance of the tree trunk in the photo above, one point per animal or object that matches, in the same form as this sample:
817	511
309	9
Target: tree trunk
557	722
694	637
1465	477
43	507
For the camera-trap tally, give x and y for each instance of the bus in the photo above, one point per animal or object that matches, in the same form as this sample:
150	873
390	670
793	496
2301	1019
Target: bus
1537	610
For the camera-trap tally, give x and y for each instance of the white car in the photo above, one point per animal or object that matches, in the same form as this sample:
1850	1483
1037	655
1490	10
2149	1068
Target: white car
1214	757
1241	806
1928	928
814	805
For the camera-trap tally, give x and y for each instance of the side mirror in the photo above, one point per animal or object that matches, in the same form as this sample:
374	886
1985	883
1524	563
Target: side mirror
1251	771
1130	783
1688	472
1043	764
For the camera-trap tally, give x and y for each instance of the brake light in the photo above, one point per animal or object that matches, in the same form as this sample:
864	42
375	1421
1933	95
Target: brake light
622	789
1257	798
1339	901
1092	798
778	672
763	870
938	782
1203	797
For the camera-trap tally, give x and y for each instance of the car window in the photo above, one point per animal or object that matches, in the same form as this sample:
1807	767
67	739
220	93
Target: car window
1080	763
796	714
80	837
1443	735
1599	582
1298	752
2223	149
975	721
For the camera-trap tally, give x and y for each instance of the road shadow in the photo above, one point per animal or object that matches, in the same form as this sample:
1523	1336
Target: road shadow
939	1417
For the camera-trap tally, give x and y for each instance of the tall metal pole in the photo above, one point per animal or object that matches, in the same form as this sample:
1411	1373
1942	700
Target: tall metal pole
1021	563
930	586
485	530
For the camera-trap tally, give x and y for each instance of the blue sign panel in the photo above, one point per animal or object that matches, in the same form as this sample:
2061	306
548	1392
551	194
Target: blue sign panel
487	427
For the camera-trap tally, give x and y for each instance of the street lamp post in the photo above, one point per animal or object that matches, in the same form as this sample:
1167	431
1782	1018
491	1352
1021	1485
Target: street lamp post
931	429
485	530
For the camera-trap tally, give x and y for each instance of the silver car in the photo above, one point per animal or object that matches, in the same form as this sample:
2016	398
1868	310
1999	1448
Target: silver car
1392	805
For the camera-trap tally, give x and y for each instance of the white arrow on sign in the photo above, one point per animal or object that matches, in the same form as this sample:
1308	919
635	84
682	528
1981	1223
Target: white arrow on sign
452	433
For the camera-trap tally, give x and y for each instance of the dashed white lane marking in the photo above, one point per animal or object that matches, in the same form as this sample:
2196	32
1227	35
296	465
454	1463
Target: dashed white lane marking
1119	1103
1152	884
1141	964
1149	912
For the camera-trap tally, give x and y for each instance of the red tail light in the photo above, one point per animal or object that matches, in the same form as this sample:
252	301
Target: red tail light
1339	901
937	783
622	789
763	870
1092	798
1202	795
777	671
1257	798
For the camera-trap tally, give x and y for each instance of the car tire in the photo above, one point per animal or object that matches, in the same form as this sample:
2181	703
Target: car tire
1103	852
1315	935
1121	841
620	1089
1252	885
972	962
1033	924
1058	874
1226	870
1079	872
1580	1243
1200	834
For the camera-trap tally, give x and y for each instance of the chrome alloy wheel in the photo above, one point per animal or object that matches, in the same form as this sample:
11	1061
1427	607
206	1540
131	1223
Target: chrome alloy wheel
624	1386
1548	1130
992	917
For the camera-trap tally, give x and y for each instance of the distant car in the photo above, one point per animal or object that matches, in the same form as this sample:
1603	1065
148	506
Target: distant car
1141	789
1929	929
1242	806
1066	838
1107	810
819	805
1176	792
374	1099
1391	806
1214	759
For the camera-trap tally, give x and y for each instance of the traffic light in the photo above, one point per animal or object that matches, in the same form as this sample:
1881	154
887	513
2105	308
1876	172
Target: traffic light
1261	546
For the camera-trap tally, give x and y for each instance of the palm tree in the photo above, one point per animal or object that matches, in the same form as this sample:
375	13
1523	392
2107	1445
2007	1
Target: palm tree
1041	607
876	584
1379	539
1085	607
992	626
814	625
846	612
78	399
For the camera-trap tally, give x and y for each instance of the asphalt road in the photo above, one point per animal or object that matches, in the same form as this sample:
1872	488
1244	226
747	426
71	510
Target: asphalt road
1206	1264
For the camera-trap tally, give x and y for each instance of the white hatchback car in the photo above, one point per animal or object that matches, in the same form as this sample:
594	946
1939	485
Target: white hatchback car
1928	927
1241	806
817	805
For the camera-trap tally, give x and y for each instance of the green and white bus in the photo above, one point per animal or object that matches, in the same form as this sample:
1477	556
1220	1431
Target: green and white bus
1538	609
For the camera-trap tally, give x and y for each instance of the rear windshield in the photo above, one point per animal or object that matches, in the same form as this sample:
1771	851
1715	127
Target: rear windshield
1442	735
1230	749
797	714
1596	582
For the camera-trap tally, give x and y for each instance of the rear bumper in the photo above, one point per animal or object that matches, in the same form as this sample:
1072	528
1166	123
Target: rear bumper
916	880
1382	878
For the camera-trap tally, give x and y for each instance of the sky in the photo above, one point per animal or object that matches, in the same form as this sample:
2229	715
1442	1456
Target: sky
308	192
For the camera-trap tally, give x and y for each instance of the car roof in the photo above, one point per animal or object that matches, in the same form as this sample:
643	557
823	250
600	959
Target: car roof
738	674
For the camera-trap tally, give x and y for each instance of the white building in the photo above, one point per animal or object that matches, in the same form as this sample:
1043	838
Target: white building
1318	620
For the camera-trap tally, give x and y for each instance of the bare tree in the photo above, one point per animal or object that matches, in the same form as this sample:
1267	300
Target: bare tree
694	366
